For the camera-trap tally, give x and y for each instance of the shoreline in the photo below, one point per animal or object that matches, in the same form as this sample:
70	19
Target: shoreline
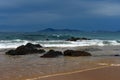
31	66
112	73
67	73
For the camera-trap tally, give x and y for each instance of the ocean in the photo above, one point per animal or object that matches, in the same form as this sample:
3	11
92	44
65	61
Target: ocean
102	46
58	39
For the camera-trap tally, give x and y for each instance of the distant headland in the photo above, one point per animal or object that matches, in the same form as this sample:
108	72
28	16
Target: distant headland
58	30
71	30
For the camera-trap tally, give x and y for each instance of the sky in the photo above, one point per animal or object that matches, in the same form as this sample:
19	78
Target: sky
34	15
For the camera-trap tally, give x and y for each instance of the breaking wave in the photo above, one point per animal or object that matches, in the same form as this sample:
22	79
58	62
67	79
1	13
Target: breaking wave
58	43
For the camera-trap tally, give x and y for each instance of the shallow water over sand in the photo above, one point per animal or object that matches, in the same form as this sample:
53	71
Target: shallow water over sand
30	66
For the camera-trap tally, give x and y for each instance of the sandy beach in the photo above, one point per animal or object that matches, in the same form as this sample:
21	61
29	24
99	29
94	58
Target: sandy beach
28	67
105	73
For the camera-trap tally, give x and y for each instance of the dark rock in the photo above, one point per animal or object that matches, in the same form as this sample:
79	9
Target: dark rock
33	45
27	49
76	53
41	51
117	55
11	52
52	54
75	39
47	39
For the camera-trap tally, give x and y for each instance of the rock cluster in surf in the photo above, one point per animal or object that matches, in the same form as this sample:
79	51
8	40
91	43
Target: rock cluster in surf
30	48
52	54
26	49
76	38
76	53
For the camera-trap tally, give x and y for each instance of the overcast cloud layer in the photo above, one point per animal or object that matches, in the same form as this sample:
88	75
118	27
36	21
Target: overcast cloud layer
28	15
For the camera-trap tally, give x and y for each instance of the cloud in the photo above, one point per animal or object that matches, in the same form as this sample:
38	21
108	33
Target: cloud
107	9
97	7
23	12
30	18
13	3
57	12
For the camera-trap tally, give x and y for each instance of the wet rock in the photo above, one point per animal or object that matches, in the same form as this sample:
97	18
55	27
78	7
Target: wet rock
47	39
76	53
75	39
27	49
117	55
11	52
52	54
30	45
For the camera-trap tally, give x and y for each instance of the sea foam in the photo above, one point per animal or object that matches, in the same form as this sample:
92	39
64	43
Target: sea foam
58	43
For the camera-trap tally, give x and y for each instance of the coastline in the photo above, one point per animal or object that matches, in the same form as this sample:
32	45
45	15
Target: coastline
31	66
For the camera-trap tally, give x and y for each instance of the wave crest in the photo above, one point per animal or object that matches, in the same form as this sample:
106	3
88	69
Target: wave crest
57	43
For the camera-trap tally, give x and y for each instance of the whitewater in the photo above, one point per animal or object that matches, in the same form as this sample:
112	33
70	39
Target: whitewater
58	43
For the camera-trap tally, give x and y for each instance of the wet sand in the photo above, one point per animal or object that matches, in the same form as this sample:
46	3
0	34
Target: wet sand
31	66
107	73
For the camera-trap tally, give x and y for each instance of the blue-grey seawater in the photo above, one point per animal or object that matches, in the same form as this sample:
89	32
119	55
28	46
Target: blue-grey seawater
58	39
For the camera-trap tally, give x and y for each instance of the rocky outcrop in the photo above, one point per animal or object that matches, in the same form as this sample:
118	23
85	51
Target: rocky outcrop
52	54
26	49
75	39
30	45
76	53
117	55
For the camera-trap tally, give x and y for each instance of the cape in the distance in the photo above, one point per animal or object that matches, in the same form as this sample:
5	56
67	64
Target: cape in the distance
72	30
59	30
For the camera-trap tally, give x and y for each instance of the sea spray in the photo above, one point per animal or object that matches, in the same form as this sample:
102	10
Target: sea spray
57	43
